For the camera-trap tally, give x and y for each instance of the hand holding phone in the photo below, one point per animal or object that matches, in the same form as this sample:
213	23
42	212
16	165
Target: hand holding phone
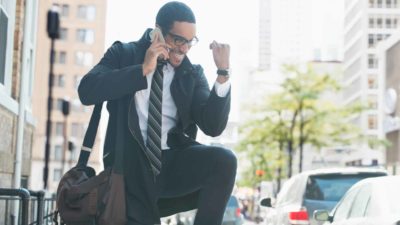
157	51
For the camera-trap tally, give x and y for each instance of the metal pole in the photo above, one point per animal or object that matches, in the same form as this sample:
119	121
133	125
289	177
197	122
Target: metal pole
53	26
25	196
65	111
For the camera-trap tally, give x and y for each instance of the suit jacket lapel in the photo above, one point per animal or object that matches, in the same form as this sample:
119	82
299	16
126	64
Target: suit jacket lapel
182	90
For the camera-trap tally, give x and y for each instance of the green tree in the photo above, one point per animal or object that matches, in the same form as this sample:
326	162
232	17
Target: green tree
302	113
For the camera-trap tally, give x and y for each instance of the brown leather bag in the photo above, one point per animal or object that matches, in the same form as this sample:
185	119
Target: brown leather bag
86	199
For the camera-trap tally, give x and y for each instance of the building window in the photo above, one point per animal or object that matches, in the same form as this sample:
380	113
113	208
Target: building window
83	58
371	40
372	122
371	3
371	22
85	36
372	61
64	10
56	175
379	3
395	23
388	23
87	12
388	3
59	81
379	37
59	129
372	82
60	57
58	104
63	34
379	23
372	102
394	3
58	152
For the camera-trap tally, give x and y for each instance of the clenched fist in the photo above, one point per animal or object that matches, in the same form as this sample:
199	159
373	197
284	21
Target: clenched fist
221	53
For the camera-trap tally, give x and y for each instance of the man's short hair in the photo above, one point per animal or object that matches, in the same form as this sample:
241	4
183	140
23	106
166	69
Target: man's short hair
171	12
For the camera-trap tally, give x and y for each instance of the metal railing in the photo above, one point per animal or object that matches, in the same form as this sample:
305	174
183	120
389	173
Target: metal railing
34	208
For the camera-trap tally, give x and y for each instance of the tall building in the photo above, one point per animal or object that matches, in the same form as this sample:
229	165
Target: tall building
366	23
80	46
17	124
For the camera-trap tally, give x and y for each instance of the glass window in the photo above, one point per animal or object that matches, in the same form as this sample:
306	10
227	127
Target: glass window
59	129
63	34
371	22
379	22
58	152
57	174
330	187
372	61
58	104
64	10
62	57
343	207
85	36
388	23
372	101
371	40
395	23
389	3
83	58
360	202
87	12
3	43
371	3
372	81
59	81
379	3
372	122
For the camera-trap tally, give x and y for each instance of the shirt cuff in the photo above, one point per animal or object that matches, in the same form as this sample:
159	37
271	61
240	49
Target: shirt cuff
222	89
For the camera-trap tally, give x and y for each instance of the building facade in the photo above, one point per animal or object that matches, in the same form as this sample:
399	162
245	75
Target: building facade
17	57
366	23
79	47
389	56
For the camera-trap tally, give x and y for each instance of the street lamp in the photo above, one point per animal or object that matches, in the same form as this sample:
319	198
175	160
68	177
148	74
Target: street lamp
53	30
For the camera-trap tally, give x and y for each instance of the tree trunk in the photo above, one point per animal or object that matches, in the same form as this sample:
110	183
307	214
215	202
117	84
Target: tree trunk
290	152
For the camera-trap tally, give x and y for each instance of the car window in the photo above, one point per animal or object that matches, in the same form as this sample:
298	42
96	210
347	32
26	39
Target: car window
233	202
360	202
343	208
331	187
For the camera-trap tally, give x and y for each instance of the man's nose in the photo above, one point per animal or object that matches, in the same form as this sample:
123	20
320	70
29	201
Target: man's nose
184	48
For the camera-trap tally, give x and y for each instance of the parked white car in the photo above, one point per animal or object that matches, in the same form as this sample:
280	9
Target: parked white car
373	201
311	190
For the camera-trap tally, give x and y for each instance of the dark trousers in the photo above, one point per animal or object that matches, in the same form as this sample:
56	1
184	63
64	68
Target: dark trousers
199	177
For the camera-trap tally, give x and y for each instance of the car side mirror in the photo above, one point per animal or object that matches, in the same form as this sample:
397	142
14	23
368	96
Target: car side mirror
266	202
321	215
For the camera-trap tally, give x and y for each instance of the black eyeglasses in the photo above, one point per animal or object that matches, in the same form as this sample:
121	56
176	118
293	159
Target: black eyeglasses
179	41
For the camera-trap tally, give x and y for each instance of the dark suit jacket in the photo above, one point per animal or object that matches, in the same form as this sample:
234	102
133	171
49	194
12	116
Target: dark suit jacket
118	76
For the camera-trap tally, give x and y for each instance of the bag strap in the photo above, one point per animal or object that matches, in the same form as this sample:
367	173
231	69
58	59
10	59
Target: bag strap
90	135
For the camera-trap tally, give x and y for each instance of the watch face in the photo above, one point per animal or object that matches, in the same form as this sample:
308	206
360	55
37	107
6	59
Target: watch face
390	101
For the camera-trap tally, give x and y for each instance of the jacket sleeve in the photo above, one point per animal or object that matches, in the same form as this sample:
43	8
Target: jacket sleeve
108	81
210	112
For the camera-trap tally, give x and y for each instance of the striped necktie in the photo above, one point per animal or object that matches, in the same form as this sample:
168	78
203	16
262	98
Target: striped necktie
154	120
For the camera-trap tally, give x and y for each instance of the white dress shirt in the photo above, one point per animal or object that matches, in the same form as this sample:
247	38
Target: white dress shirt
169	110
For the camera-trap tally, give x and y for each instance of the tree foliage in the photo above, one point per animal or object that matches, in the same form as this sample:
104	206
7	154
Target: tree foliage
303	112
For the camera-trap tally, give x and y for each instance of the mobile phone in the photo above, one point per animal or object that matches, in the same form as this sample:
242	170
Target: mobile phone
160	60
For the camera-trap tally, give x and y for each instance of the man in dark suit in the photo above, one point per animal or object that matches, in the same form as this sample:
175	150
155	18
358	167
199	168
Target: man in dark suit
165	98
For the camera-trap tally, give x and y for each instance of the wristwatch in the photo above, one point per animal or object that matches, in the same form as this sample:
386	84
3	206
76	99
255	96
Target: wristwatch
224	72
